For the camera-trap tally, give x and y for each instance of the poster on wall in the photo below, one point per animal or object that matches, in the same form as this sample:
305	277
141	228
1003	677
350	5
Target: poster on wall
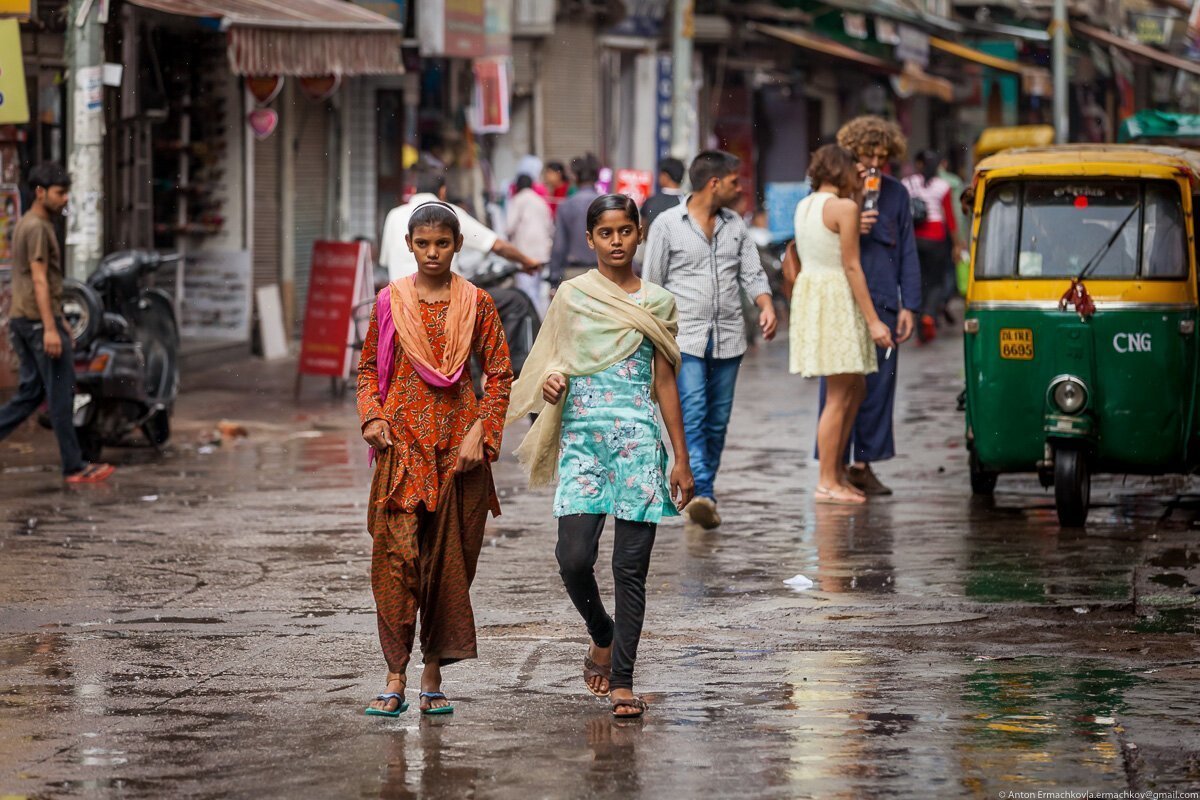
489	107
14	105
635	184
452	28
216	296
339	279
10	212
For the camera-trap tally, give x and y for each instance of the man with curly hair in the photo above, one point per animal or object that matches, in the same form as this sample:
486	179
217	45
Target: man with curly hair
889	260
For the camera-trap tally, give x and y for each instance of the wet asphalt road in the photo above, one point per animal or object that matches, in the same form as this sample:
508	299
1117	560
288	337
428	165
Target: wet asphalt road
203	626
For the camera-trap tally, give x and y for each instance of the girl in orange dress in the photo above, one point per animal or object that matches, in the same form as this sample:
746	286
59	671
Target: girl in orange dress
433	443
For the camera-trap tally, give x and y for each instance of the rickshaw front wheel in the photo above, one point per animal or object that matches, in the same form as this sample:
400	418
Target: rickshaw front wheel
1072	486
982	481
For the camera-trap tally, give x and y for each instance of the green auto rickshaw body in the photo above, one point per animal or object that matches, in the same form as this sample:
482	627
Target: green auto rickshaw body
1041	218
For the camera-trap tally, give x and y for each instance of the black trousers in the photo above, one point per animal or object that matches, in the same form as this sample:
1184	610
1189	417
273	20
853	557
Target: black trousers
578	548
44	378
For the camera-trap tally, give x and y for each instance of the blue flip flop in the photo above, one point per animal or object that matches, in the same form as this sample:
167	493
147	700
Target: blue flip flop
400	709
439	710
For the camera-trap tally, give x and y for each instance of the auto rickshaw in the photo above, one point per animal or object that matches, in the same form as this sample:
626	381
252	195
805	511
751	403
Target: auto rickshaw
1080	328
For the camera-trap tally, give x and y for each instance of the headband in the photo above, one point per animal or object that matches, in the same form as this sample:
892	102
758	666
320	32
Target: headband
436	203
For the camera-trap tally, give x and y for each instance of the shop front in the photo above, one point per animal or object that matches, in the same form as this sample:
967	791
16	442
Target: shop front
223	141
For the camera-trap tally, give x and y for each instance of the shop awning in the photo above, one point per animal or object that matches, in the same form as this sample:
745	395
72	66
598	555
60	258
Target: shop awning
1145	51
1160	125
1035	80
978	56
909	78
819	44
298	37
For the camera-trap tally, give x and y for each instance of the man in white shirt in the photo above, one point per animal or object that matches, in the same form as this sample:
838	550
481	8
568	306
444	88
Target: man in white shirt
431	187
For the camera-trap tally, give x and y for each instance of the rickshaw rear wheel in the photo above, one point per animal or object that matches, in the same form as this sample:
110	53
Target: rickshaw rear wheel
982	481
1072	486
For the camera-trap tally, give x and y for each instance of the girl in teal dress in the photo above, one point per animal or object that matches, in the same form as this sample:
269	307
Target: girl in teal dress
607	354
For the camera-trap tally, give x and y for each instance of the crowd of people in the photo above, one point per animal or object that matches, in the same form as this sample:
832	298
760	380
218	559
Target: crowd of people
618	348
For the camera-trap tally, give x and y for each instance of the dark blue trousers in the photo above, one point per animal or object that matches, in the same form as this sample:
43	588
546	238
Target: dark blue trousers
44	378
872	438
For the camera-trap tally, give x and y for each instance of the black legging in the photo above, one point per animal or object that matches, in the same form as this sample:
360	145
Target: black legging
937	263
578	548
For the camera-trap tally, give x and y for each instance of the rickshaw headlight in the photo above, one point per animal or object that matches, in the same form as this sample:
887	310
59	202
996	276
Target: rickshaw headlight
1070	395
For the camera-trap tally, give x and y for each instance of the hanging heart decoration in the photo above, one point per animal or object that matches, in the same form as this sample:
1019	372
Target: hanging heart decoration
322	87
265	88
263	122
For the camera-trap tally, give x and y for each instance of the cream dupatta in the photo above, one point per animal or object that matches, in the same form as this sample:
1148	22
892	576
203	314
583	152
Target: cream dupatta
591	325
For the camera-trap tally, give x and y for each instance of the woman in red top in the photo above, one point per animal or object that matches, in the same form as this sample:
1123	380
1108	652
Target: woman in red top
935	234
433	443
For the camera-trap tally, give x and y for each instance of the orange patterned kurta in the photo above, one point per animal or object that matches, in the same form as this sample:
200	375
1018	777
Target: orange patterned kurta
427	521
428	424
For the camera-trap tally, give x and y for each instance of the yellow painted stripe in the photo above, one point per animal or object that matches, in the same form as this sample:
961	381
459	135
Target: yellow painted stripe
1034	290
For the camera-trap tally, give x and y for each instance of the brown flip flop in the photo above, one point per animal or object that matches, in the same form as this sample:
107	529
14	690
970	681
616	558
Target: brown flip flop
593	670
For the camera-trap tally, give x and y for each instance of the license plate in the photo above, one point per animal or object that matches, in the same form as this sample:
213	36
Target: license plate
81	401
1016	343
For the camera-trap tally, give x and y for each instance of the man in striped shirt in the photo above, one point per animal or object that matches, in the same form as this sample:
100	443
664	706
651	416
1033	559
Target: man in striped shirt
702	253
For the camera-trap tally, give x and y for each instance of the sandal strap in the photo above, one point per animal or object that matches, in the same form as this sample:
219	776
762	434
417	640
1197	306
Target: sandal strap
590	668
390	696
434	695
631	702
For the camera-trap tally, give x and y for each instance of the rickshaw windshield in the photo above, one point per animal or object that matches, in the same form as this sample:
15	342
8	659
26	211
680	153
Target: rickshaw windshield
1051	228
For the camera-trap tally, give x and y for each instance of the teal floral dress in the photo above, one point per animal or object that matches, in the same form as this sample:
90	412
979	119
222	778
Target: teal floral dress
611	455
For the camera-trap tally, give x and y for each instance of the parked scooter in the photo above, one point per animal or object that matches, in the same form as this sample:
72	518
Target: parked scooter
518	314
126	353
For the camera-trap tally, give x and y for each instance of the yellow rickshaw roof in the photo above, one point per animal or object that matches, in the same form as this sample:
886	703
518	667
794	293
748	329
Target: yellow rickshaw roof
1079	155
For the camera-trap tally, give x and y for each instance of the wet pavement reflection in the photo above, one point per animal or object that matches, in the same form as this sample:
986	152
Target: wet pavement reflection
203	627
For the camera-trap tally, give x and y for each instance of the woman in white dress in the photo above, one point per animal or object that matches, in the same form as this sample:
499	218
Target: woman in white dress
834	327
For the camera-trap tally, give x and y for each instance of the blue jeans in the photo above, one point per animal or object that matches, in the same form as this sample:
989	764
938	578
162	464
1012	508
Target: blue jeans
44	378
706	394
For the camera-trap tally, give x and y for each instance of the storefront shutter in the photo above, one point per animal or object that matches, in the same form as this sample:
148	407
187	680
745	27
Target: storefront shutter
266	211
312	182
570	72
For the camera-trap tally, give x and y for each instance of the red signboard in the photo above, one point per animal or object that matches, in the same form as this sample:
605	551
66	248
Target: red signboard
339	278
634	183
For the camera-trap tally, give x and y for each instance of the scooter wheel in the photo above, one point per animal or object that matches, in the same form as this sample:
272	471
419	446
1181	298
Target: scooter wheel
83	311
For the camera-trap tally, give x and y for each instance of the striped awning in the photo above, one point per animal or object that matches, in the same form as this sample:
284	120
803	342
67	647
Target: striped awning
298	37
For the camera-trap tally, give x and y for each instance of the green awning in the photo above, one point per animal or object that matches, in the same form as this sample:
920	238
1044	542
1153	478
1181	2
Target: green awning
1149	124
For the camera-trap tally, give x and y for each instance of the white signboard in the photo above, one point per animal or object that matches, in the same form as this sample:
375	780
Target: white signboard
216	296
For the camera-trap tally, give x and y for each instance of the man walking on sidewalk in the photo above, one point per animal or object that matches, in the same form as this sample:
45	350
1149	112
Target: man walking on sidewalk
702	253
570	255
39	336
888	251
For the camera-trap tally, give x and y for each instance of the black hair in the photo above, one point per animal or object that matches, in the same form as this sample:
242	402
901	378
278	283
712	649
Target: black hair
430	181
524	182
673	167
611	202
931	162
586	169
557	166
47	174
712	164
434	215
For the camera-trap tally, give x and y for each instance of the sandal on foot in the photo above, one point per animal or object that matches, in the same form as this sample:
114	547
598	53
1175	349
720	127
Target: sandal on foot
430	709
379	712
593	670
92	473
837	497
636	703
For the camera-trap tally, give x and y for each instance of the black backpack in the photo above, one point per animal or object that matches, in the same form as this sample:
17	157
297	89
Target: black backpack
920	211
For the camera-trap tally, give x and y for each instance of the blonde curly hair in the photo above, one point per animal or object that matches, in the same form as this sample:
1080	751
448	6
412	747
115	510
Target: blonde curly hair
869	133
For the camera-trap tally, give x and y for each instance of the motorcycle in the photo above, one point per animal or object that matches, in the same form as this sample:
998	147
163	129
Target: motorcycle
518	314
126	353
